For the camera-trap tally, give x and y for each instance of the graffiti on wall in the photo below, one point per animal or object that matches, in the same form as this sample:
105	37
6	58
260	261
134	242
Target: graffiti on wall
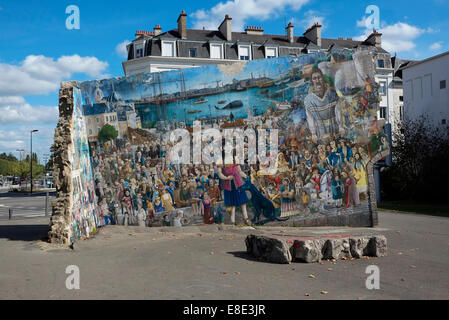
84	202
322	106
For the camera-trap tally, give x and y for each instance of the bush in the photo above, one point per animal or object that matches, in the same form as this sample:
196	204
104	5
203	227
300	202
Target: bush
419	172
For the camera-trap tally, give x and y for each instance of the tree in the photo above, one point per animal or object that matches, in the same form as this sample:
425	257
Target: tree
49	164
107	132
419	171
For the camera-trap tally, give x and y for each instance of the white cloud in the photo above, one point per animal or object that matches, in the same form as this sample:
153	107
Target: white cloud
242	10
120	49
398	37
36	75
41	75
310	18
25	113
436	46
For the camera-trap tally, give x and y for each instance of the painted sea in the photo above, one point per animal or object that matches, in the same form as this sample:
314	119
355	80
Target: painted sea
254	100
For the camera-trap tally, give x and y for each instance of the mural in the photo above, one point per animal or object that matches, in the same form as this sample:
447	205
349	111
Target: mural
84	202
322	107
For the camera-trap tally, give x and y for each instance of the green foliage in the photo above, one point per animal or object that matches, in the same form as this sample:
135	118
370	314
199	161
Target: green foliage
419	171
9	157
13	167
108	132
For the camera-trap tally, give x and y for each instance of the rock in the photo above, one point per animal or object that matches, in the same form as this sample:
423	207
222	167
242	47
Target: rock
269	249
359	246
337	248
308	250
377	246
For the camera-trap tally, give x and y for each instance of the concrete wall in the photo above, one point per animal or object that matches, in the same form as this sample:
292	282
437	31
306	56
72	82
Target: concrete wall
422	93
321	174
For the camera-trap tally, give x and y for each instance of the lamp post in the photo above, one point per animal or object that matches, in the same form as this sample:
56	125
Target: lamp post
31	159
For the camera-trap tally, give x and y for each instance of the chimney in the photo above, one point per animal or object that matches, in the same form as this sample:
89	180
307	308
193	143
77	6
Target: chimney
225	28
375	39
182	25
157	30
254	30
290	35
314	34
145	33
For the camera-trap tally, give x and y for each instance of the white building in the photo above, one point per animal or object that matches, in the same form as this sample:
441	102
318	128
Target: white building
426	91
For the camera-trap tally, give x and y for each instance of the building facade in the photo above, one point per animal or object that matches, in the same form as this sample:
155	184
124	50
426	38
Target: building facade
156	51
426	91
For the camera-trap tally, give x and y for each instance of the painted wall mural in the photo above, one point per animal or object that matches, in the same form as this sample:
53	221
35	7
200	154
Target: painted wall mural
84	201
322	106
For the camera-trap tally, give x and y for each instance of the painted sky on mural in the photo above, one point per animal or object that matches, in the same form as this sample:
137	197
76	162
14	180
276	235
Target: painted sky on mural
37	51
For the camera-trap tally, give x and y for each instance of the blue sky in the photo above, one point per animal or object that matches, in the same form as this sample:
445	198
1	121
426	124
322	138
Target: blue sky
37	51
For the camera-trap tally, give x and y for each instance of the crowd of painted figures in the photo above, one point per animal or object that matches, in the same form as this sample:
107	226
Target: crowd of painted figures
135	185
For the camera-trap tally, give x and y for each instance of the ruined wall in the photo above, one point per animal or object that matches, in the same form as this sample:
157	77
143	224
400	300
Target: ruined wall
74	210
319	170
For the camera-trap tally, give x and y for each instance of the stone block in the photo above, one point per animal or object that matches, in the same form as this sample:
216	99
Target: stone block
269	249
359	246
308	250
377	246
336	248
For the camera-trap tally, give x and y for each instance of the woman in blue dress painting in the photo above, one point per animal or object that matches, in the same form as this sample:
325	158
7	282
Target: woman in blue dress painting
232	179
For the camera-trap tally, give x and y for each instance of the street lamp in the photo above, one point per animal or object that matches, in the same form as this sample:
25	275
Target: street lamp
31	159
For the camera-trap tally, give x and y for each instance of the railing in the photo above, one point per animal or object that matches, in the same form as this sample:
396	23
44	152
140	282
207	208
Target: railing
17	210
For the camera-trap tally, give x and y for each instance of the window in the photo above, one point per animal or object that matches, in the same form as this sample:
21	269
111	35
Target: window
216	51
90	131
380	63
244	53
401	110
168	49
383	88
192	52
401	98
443	121
270	52
383	112
98	119
443	84
139	53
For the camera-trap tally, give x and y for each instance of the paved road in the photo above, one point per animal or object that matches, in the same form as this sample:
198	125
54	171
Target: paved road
24	206
206	263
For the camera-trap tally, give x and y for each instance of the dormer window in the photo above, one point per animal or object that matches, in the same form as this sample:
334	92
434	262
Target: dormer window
138	53
168	48
244	52
271	52
381	63
216	51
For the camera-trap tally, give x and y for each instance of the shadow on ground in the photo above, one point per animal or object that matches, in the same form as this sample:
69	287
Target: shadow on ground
24	232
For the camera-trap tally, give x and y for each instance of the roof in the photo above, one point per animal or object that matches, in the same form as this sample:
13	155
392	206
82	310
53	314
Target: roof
414	63
202	37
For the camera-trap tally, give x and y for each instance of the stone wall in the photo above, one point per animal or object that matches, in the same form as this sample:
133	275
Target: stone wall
61	218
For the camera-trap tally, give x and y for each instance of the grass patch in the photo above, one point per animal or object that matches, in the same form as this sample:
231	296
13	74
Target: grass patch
439	210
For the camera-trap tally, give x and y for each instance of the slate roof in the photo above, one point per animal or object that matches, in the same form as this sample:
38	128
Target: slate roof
199	39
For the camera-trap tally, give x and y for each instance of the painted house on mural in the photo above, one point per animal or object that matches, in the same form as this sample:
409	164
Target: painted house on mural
112	110
175	49
426	90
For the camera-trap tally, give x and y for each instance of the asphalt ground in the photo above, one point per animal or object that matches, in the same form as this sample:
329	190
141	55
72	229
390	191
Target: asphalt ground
207	263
